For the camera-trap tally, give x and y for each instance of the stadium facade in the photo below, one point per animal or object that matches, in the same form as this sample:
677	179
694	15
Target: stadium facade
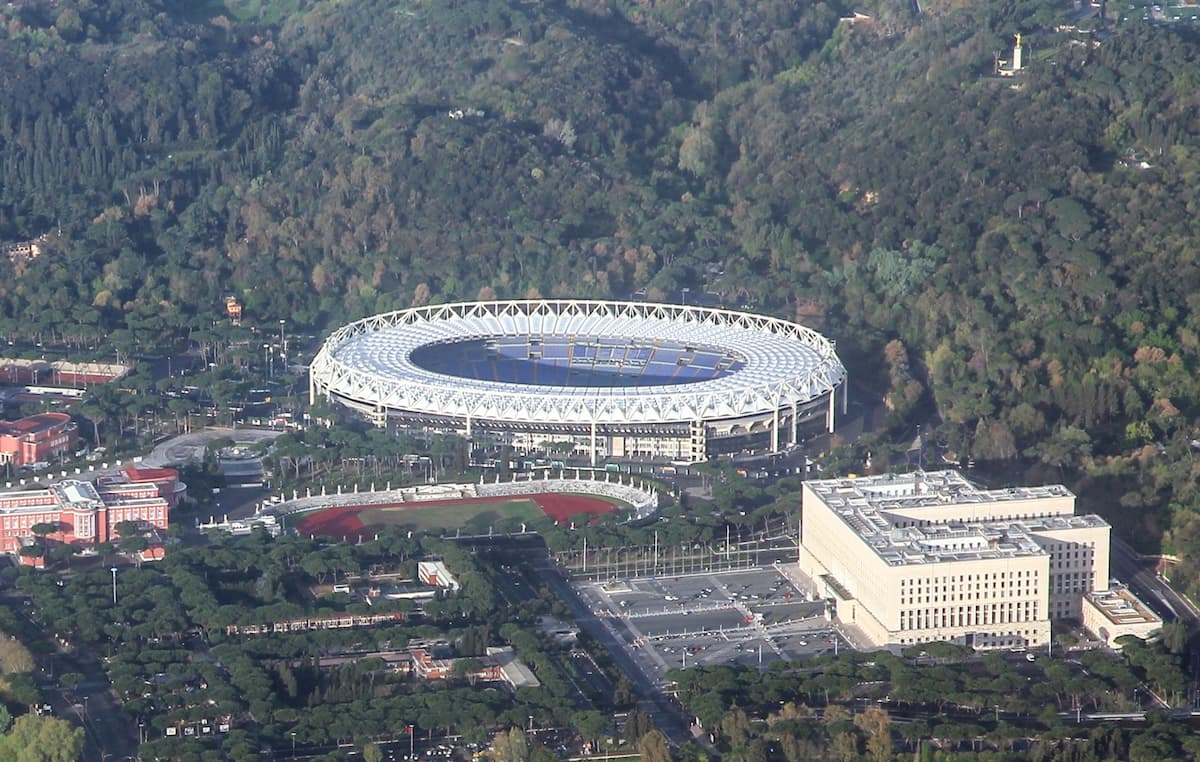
615	379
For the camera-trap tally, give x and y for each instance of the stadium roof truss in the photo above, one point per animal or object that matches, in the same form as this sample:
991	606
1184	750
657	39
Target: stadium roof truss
368	362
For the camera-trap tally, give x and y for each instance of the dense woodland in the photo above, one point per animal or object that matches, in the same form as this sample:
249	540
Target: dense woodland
1010	261
934	706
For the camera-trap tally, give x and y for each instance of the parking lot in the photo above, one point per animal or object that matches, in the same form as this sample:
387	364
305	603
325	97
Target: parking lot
750	617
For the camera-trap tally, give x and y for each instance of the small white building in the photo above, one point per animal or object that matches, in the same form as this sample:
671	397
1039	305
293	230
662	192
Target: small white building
1117	612
435	573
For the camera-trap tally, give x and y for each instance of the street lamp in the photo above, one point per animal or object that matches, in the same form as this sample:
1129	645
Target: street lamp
282	348
114	575
293	732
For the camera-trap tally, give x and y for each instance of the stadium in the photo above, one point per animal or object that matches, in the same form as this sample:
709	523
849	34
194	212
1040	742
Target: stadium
616	379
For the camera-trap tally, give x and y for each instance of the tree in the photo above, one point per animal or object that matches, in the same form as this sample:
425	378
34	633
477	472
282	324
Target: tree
105	549
518	746
845	745
133	545
32	550
637	724
735	726
590	724
653	747
127	528
509	746
372	752
69	24
43	529
41	739
877	724
1065	447
64	553
15	658
468	667
1174	637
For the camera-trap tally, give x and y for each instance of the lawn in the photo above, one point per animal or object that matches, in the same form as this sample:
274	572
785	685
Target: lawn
450	515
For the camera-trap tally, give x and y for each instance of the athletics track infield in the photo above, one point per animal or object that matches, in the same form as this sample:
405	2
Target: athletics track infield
353	521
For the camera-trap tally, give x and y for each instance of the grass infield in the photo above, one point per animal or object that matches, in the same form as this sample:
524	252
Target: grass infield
355	521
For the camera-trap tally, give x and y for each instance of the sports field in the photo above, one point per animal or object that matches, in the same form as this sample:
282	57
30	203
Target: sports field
473	514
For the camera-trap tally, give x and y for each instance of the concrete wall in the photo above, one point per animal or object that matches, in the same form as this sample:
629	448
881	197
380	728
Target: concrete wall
1079	564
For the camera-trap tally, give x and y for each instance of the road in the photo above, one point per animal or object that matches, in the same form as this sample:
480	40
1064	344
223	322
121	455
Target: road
1147	585
189	448
667	715
108	732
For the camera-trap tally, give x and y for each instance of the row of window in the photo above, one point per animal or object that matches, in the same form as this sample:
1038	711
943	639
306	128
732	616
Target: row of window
969	616
952	596
28	520
986	577
25	521
972	587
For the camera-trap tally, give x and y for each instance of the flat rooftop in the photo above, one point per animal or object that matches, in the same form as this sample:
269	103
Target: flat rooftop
76	494
866	504
1121	607
33	424
922	488
951	542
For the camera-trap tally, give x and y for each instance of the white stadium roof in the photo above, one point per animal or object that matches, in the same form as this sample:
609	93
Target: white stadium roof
369	363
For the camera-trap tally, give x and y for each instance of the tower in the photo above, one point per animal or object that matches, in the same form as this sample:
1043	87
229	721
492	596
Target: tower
1016	57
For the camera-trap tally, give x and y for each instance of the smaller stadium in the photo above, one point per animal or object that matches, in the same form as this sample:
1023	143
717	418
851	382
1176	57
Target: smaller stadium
615	380
480	515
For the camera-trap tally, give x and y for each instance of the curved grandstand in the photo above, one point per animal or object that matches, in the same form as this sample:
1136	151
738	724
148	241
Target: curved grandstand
618	379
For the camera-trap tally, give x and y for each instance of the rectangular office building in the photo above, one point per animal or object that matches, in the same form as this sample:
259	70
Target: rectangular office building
921	557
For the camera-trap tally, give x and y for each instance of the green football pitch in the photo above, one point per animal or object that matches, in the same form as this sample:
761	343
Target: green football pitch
473	514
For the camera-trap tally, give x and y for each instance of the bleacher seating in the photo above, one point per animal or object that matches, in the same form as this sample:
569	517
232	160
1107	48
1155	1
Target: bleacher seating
582	361
644	501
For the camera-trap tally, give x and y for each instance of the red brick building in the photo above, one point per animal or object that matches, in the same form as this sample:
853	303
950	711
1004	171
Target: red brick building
36	438
427	667
87	513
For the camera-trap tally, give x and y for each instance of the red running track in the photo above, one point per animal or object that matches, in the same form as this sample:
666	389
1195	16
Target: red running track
344	521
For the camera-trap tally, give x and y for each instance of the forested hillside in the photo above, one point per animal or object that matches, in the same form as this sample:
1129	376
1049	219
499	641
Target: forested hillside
1011	260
